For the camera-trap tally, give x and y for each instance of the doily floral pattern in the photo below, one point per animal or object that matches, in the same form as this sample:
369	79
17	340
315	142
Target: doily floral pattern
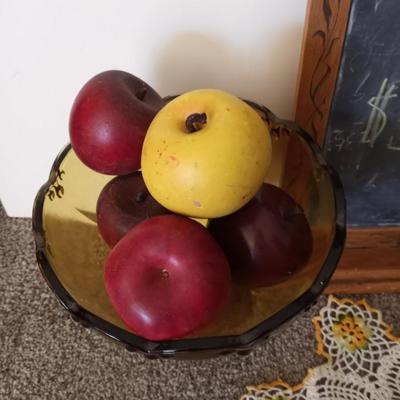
363	358
277	390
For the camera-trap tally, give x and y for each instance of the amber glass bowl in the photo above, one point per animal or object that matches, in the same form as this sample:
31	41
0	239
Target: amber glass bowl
71	253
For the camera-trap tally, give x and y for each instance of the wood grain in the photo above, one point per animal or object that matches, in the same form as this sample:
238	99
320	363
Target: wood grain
323	39
364	287
370	262
367	260
321	51
373	237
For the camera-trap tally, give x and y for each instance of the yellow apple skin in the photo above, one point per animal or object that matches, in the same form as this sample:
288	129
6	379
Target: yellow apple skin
202	221
211	172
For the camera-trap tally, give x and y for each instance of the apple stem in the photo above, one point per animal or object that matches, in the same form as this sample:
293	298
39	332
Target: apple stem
196	121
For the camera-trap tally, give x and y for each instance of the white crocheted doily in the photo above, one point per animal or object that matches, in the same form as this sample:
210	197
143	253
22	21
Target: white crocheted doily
363	358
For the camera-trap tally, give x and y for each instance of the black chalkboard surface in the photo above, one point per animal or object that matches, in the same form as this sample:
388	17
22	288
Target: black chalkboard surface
363	135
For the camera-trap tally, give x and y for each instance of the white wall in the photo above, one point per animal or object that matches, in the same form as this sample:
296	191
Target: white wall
49	49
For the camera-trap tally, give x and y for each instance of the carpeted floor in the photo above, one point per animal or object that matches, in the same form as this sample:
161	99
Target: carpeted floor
45	355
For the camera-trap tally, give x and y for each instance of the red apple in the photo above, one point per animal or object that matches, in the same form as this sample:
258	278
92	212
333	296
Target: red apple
122	204
267	240
109	120
167	277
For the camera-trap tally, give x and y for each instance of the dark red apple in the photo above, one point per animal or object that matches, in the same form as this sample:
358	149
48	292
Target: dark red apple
267	240
122	204
109	120
167	277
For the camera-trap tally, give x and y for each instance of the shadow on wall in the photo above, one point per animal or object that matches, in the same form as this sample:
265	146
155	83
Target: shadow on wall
262	73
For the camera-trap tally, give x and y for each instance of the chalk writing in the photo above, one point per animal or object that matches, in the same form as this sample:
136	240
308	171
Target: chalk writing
362	139
377	119
391	145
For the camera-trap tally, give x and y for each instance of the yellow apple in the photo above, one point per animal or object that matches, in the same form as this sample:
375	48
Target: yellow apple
205	154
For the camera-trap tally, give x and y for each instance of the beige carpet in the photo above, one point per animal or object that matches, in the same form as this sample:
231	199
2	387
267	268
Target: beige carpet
45	355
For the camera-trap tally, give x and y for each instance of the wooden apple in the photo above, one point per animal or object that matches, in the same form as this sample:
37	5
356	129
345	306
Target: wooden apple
167	277
267	240
205	154
122	204
109	120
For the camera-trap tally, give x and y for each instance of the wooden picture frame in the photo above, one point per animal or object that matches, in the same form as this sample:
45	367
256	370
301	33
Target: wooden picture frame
371	260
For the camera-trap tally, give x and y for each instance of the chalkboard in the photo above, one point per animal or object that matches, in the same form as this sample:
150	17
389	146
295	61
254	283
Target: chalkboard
362	139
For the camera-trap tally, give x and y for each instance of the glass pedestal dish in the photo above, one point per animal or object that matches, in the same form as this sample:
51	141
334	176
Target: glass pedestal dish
71	253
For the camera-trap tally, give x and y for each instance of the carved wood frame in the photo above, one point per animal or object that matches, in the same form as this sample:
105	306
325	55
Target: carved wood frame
371	260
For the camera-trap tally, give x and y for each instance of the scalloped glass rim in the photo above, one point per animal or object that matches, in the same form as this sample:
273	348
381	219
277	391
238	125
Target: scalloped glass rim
223	344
